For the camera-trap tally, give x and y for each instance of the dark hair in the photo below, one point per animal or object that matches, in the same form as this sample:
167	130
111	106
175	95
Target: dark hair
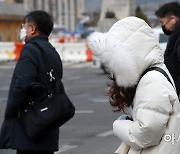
172	8
120	97
42	21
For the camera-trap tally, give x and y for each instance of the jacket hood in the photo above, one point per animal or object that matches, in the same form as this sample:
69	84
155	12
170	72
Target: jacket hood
127	49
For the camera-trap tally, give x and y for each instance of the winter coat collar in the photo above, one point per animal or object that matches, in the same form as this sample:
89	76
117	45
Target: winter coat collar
176	33
171	42
39	37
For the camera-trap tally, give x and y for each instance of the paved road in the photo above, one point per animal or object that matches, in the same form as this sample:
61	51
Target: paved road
90	131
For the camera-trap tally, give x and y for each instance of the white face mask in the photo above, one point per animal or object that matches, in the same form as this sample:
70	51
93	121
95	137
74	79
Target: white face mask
23	34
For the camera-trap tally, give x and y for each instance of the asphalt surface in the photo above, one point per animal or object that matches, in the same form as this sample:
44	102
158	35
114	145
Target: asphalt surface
90	131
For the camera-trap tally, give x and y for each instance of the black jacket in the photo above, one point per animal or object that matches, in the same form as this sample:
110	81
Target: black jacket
28	69
172	56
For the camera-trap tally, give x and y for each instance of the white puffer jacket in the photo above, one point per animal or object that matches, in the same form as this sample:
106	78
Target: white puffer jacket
128	49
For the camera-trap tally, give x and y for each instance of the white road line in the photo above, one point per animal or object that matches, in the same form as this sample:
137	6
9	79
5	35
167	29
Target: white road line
74	78
84	111
66	148
78	65
4	88
3	99
83	65
105	134
67	88
82	95
98	100
7	66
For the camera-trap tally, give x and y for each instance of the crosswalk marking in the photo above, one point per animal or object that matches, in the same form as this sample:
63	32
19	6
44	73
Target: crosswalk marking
99	100
2	99
73	78
7	65
78	65
106	133
4	88
84	111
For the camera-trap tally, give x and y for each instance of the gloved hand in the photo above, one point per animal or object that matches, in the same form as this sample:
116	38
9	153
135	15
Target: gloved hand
125	117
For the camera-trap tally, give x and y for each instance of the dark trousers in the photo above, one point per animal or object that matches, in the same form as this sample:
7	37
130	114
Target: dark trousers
33	152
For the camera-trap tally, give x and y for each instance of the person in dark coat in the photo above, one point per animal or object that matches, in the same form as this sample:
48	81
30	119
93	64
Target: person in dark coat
169	15
30	68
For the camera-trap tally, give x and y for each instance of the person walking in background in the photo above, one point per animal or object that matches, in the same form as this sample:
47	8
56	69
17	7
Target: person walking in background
128	49
30	68
169	15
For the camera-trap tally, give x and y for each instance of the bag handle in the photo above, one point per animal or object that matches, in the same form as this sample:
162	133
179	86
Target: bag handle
159	70
49	70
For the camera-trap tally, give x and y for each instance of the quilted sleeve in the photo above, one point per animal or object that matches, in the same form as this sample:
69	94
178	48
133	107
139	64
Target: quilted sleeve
152	112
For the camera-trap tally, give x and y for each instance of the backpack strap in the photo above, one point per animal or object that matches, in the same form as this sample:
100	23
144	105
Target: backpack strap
159	70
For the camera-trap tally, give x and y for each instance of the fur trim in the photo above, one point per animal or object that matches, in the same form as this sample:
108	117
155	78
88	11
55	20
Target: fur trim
115	56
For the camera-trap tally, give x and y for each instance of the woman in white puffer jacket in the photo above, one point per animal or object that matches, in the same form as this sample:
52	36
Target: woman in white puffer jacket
128	49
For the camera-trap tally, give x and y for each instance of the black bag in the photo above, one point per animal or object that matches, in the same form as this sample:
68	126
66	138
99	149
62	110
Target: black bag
48	107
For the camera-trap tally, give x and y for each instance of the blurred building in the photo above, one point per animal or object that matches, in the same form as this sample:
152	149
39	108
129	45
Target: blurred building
117	9
14	1
64	12
121	8
11	17
149	9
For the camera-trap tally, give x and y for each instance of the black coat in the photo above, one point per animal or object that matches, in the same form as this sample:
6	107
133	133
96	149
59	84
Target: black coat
172	56
29	68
